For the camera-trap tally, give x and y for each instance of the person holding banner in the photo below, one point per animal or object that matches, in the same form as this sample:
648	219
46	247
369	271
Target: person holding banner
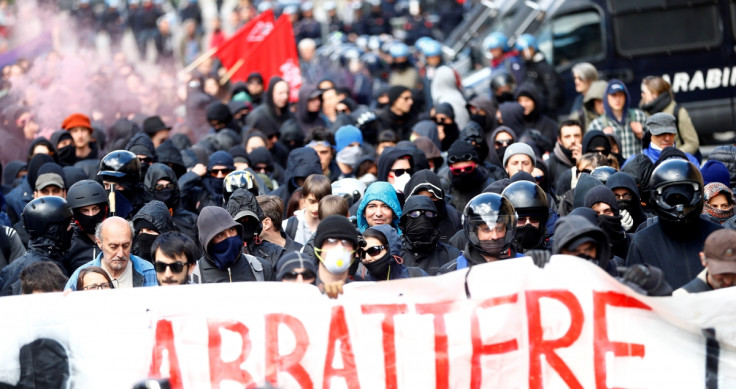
221	237
114	236
489	224
335	245
719	260
174	258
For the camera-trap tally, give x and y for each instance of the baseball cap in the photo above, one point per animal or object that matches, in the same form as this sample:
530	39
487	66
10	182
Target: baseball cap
720	252
47	179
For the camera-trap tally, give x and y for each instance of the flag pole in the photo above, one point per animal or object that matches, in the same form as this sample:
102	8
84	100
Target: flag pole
232	71
205	56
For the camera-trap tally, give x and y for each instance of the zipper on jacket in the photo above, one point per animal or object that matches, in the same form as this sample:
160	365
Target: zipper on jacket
230	274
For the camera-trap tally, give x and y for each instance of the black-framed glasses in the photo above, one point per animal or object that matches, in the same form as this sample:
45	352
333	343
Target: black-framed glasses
419	212
400	172
293	275
162	186
460	170
176	267
375	250
102	285
459	158
224	172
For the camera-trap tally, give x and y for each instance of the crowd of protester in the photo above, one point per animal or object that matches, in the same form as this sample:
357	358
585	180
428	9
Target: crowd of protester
383	168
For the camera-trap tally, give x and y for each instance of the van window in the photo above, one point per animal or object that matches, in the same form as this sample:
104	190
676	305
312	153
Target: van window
663	30
572	38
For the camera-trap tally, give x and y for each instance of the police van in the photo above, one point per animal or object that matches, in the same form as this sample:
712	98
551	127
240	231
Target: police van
690	43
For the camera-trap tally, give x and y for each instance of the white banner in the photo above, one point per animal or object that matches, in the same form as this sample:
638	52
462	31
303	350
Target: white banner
567	325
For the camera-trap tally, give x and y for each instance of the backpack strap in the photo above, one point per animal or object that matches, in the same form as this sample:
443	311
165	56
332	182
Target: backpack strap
256	266
291	225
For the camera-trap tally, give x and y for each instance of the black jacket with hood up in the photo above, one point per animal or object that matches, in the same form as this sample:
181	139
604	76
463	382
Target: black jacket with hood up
427	180
211	222
242	201
573	227
302	162
185	221
428	260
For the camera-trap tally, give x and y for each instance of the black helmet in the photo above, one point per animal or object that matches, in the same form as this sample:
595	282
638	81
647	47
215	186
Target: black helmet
121	166
528	198
602	173
489	209
677	190
41	215
239	179
86	192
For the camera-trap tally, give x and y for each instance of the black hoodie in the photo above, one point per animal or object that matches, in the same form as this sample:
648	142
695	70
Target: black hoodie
302	163
573	227
243	202
536	120
430	260
265	116
387	159
213	220
449	216
185	221
633	206
168	154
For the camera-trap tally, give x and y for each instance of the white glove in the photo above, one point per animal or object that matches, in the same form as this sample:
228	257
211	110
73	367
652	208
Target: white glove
626	220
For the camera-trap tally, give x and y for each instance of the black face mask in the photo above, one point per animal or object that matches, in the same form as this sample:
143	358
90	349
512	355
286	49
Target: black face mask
467	181
89	223
500	152
480	119
529	237
213	185
66	155
421	233
379	267
142	245
504	97
611	225
492	247
166	196
250	229
625	204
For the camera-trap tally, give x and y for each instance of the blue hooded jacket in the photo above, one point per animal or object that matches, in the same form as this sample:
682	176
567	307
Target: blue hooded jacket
382	191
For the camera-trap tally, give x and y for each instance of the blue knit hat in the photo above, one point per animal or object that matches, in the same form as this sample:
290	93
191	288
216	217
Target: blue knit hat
715	171
346	135
222	158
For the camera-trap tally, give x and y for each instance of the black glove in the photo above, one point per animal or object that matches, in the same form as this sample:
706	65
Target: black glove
539	257
649	278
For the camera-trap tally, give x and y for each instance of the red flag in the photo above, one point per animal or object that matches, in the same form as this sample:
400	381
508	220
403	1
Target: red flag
276	55
239	46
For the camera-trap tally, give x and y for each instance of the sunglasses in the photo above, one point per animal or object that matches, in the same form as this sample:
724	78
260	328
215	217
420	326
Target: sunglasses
459	158
538	179
261	169
293	275
460	170
504	142
442	121
522	220
215	172
176	267
146	161
416	213
104	285
375	250
162	187
400	172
